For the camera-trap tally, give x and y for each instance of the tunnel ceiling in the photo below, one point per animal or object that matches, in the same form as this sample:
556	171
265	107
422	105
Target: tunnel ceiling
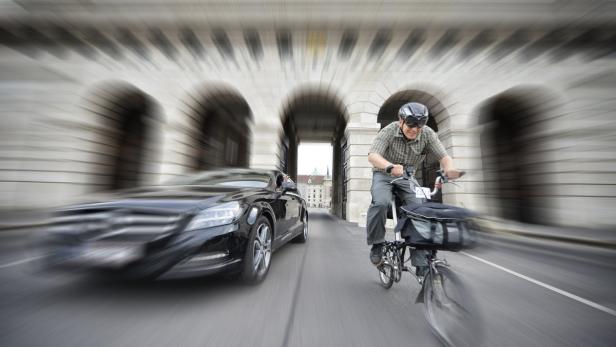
232	105
315	118
315	126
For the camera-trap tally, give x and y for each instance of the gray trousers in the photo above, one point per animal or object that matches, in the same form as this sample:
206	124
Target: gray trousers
382	192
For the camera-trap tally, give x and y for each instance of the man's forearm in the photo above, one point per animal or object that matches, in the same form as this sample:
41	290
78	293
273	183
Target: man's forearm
378	161
447	163
449	168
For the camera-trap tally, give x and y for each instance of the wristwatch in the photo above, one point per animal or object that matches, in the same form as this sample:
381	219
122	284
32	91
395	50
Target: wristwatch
389	168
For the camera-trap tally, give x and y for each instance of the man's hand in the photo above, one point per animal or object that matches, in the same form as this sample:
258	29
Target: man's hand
397	170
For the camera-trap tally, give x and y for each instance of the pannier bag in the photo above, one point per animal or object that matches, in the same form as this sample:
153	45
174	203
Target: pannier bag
437	226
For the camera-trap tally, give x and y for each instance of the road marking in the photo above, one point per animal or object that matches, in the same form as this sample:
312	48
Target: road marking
547	286
19	262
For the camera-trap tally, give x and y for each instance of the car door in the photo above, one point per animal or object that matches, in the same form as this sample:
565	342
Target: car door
295	208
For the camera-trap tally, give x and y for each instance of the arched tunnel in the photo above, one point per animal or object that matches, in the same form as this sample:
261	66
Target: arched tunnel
220	134
510	148
127	141
316	116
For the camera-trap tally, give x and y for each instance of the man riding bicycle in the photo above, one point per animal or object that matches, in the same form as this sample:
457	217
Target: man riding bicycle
402	143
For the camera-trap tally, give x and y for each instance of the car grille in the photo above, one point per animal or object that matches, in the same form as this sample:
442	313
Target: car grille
115	221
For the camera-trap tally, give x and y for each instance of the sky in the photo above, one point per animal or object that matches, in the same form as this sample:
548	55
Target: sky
314	155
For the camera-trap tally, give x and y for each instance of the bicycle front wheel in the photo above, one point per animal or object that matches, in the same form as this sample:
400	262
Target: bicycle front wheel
386	275
450	310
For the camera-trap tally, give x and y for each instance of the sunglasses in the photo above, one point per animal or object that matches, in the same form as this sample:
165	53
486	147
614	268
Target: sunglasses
412	123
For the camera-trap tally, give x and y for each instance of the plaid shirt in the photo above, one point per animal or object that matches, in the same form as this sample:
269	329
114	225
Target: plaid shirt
391	144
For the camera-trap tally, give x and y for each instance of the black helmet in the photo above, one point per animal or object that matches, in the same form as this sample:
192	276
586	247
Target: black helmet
414	114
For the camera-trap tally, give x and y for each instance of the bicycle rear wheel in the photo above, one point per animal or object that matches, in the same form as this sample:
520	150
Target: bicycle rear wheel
450	309
386	275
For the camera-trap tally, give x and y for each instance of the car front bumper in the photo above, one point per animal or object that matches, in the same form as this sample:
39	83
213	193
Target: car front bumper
185	254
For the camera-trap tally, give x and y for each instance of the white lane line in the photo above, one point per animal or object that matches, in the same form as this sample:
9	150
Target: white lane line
19	262
547	286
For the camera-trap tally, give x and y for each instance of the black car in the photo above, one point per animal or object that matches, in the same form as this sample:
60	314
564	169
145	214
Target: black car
215	221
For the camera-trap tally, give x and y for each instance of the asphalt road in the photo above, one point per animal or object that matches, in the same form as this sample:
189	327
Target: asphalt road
322	293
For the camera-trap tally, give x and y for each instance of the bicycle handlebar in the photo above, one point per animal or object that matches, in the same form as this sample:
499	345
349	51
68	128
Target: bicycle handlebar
441	173
441	178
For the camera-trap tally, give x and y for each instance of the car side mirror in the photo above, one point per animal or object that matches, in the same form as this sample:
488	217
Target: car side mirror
288	186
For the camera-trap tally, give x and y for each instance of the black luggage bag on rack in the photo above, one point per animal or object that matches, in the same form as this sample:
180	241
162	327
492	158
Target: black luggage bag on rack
436	226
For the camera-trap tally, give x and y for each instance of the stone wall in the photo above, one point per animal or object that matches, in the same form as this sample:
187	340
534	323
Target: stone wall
49	130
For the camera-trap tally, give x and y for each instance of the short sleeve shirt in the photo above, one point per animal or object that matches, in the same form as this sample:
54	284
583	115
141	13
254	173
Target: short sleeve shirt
391	144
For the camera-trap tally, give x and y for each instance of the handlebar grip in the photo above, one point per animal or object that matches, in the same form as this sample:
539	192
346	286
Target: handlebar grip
409	170
441	174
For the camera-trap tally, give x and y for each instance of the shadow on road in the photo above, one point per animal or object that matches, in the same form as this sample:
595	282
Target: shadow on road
87	287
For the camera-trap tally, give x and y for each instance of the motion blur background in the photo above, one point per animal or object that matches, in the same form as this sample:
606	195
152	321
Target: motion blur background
102	95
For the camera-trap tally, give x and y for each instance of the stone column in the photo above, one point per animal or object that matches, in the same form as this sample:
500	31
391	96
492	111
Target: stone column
178	125
265	147
359	174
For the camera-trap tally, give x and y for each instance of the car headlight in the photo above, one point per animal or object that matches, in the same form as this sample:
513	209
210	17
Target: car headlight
217	215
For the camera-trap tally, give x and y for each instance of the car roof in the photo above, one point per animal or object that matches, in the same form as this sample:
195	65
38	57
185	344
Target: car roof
246	171
240	171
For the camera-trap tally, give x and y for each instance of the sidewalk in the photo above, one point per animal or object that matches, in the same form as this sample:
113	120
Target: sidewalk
590	237
23	219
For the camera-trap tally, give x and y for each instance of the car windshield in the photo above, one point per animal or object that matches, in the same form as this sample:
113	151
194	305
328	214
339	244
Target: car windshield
221	178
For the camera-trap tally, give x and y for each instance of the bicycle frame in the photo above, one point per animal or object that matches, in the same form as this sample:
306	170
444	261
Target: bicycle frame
398	246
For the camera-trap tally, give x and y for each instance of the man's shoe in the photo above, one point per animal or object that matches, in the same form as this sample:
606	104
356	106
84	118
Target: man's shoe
376	254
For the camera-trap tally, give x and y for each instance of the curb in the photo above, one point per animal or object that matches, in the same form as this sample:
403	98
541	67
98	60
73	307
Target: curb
24	219
493	227
6	227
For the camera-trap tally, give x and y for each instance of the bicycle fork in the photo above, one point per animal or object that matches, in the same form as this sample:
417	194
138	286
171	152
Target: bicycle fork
398	265
435	278
394	214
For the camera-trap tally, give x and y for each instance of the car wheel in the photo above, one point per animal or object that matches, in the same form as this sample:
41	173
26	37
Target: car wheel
303	237
258	252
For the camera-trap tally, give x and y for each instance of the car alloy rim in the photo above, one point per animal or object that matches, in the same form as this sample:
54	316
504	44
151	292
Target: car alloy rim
306	230
262	249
